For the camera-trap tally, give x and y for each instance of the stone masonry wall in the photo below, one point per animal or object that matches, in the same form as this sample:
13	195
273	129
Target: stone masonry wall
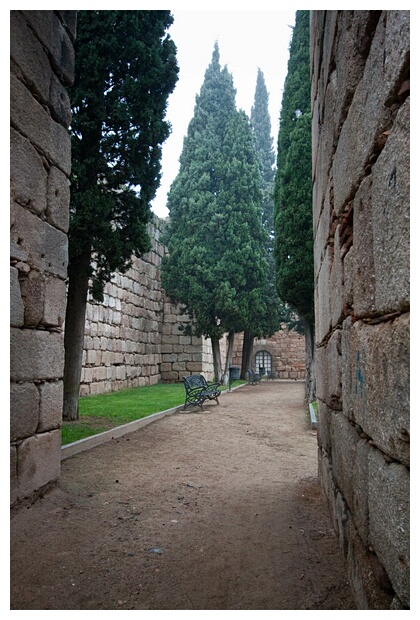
287	350
361	107
133	337
42	64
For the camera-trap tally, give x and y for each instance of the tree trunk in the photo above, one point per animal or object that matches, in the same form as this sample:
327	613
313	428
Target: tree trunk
310	387
231	340
74	332
247	348
217	362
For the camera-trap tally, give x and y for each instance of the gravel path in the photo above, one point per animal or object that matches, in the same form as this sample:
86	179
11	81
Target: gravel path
212	510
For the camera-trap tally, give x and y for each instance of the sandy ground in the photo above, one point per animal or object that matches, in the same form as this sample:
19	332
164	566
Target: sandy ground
212	510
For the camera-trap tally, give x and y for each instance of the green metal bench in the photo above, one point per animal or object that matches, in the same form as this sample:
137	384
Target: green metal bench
197	390
253	377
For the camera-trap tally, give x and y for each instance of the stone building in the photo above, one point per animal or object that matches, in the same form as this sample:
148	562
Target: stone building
360	63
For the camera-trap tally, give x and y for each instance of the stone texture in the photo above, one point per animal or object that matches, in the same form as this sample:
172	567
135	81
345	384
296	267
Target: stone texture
391	207
362	259
39	460
24	410
42	57
389	520
36	355
17	308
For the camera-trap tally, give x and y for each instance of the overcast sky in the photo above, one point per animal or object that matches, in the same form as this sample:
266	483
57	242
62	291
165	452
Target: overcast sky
248	40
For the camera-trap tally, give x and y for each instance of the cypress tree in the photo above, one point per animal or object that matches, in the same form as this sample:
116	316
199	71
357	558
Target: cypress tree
125	70
215	237
293	191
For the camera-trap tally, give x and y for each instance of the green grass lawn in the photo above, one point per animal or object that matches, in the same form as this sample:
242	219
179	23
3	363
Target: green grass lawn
104	411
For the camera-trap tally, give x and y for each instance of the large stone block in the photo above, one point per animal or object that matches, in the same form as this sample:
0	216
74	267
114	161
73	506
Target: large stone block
45	246
55	38
16	304
32	120
29	56
24	410
363	251
55	302
58	199
376	366
28	177
366	576
391	215
38	462
370	115
344	440
51	405
36	355
389	520
322	299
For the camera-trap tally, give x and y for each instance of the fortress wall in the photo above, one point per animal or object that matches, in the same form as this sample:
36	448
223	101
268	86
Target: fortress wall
361	131
42	64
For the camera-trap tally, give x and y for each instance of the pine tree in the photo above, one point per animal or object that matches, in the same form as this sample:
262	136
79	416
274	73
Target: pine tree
125	70
293	191
215	238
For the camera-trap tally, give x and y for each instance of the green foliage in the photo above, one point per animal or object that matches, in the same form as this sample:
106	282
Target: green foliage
293	186
215	238
125	70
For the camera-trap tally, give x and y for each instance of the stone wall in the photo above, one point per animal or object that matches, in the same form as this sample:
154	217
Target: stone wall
287	350
134	337
42	64
360	97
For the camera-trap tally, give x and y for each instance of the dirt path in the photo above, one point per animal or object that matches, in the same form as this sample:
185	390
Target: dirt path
214	510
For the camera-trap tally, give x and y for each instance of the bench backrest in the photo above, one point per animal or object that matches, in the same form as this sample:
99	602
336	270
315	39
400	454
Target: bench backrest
194	381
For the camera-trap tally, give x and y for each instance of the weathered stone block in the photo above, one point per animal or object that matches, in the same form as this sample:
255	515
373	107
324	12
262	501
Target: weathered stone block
363	254
16	304
58	199
389	520
33	289
24	410
322	300
36	355
51	405
391	214
365	575
337	283
32	120
55	302
378	356
28	178
38	459
344	440
324	424
369	114
55	38
45	246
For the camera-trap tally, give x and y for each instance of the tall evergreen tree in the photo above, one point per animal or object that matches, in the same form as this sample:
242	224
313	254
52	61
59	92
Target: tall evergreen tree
215	237
125	70
293	192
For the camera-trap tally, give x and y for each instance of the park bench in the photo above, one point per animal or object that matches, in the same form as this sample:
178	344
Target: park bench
271	375
253	377
197	390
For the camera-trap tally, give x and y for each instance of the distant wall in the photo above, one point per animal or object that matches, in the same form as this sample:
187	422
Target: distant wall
42	64
287	350
361	142
134	337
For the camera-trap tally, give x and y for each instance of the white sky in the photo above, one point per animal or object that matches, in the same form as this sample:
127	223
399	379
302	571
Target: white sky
248	40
